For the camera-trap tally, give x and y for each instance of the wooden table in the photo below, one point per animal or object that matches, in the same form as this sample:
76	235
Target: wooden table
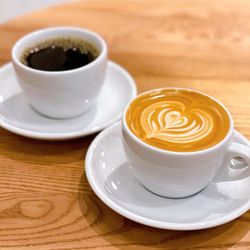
45	199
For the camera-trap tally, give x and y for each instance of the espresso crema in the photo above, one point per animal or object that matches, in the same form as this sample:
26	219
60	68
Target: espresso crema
177	120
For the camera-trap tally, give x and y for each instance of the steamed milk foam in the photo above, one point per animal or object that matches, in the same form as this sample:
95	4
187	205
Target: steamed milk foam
177	120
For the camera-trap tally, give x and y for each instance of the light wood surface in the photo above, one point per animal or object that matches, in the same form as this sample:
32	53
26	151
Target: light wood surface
45	200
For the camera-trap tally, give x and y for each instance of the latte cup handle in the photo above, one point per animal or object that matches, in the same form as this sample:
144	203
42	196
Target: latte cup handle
240	153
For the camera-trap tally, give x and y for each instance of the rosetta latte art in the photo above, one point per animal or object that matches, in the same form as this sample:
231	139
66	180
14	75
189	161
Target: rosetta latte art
178	120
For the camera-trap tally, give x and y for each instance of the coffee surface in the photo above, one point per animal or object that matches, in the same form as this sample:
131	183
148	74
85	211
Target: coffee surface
59	54
177	120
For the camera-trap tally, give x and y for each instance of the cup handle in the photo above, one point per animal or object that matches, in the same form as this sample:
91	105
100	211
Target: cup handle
240	153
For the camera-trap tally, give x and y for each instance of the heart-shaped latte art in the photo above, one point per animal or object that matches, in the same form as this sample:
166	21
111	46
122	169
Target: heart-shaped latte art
170	122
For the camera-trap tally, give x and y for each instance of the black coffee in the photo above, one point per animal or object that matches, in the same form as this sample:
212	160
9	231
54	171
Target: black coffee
60	54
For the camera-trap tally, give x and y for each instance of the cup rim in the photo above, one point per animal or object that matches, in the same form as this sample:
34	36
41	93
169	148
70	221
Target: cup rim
163	151
21	40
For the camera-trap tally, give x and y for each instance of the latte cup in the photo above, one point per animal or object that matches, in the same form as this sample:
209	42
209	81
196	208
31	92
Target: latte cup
180	174
61	94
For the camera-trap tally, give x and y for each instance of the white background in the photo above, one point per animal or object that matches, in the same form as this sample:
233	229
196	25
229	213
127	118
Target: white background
11	8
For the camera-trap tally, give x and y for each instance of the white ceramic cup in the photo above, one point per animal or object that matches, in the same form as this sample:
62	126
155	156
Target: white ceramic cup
180	174
61	94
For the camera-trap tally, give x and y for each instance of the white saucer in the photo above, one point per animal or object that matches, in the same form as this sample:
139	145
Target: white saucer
17	116
114	183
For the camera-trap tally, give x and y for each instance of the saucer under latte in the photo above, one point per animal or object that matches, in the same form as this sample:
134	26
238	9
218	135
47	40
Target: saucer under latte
113	180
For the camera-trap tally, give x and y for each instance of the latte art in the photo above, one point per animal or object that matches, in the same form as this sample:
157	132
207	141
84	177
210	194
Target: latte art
178	120
169	124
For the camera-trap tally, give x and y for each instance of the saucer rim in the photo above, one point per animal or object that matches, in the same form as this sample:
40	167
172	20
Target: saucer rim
67	136
142	219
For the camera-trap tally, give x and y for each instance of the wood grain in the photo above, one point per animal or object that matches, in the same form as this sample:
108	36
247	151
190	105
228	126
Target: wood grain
45	200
